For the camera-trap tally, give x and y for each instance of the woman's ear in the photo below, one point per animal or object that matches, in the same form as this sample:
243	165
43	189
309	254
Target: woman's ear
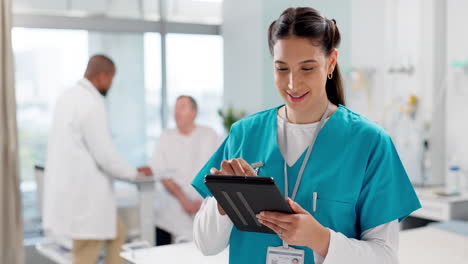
332	60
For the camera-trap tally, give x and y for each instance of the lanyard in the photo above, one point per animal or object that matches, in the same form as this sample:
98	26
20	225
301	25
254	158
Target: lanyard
306	158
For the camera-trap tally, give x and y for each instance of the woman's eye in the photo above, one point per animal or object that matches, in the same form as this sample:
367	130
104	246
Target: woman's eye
307	69
282	69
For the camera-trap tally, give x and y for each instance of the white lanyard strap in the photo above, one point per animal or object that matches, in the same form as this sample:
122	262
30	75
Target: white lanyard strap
306	158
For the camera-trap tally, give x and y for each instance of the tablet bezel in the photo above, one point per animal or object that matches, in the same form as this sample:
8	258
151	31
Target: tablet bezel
248	187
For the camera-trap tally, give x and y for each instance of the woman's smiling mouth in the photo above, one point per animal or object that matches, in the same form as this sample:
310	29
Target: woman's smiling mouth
298	98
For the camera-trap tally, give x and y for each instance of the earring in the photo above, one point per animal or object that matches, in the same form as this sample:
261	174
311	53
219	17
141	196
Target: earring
330	75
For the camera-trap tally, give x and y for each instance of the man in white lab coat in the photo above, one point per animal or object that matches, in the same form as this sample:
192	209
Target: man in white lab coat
178	156
81	162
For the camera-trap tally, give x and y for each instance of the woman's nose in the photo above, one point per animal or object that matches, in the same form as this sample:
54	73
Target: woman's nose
291	84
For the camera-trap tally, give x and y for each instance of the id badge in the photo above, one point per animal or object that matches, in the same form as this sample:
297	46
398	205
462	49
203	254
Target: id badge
281	255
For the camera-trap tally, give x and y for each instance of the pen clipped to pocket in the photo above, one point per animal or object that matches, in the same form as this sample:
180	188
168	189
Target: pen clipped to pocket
314	202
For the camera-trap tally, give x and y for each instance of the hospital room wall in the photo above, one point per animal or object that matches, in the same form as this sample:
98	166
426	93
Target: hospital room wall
243	42
457	84
367	38
396	54
248	69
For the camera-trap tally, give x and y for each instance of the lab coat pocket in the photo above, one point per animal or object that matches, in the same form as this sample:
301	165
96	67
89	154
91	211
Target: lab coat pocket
337	215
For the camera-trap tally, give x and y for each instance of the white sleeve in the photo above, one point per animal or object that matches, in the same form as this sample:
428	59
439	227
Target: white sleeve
98	140
211	230
377	245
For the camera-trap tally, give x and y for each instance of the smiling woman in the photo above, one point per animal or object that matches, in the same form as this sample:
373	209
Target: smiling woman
350	186
306	62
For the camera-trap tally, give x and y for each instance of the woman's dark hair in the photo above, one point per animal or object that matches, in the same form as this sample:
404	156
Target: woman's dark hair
306	22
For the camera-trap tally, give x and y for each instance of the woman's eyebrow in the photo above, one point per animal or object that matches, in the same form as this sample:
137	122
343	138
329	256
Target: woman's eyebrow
280	62
302	62
308	61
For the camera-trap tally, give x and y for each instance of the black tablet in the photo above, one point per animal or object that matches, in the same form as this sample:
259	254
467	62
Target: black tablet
243	197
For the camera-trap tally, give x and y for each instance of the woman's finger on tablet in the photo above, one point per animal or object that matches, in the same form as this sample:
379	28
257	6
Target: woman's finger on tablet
237	167
215	171
226	168
249	171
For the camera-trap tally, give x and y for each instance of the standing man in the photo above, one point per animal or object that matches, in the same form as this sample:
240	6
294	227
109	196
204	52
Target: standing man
81	164
180	154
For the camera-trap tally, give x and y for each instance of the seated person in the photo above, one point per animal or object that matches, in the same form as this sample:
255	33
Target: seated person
179	155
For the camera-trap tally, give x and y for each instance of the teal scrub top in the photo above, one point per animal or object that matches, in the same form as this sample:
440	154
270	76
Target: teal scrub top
354	168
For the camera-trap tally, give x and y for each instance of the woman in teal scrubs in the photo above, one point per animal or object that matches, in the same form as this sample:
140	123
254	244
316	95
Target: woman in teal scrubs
348	181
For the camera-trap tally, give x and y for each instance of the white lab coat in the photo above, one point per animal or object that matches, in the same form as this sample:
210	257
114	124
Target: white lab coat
180	157
82	159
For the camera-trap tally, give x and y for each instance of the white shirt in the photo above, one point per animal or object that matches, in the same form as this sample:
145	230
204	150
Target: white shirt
79	199
299	137
377	245
180	157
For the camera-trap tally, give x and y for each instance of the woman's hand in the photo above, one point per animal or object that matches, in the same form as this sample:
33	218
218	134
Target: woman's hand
238	167
299	229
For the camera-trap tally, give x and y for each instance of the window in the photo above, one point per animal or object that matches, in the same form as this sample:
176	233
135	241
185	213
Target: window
126	101
153	89
43	71
199	59
50	60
